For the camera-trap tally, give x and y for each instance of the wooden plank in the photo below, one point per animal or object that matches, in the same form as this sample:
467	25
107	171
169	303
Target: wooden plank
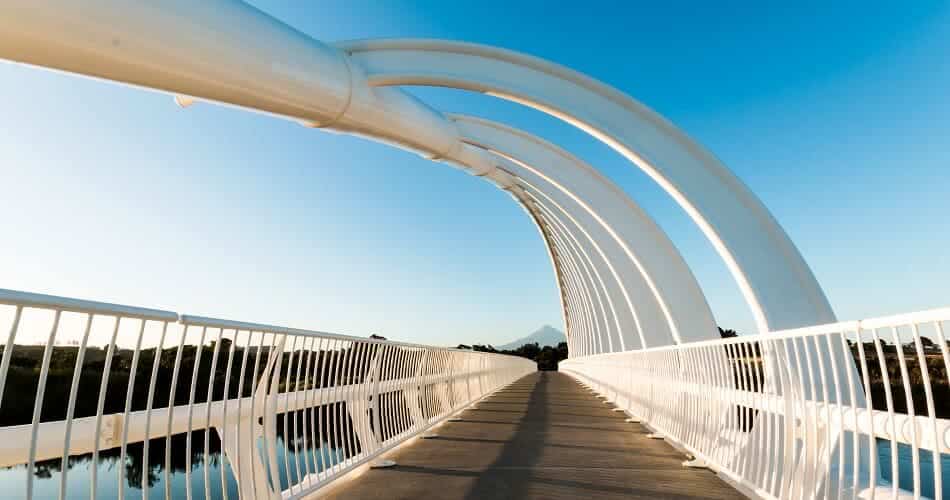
541	437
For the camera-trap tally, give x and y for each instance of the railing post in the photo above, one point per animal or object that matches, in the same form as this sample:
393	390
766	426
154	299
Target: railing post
251	474
411	393
359	407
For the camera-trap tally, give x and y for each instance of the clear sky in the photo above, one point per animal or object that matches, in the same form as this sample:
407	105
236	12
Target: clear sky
838	117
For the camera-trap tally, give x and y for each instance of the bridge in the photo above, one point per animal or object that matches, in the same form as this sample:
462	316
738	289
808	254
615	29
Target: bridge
809	407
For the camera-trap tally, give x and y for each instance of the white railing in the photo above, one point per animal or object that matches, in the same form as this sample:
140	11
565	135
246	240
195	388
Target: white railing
834	411
291	409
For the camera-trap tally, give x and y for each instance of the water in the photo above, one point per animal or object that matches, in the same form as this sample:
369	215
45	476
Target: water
905	468
47	475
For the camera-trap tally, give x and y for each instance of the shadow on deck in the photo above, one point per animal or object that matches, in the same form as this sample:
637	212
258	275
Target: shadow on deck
543	436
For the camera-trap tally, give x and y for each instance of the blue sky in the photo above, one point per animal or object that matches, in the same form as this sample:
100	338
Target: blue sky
836	116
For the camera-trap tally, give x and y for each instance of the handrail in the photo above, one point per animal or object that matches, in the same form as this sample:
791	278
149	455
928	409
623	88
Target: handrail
28	299
317	405
822	411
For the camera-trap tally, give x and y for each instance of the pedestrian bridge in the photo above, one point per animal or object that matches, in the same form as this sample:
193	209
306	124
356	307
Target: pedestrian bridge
809	407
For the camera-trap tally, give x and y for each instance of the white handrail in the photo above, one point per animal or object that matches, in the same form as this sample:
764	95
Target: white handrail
798	413
334	402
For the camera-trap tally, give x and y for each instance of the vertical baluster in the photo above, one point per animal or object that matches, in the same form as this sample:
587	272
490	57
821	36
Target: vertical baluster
8	351
294	421
707	397
945	355
253	451
412	397
191	408
207	427
431	356
337	407
318	439
406	369
103	387
377	407
726	387
287	446
789	428
758	413
766	348
819	358
304	407
171	413
395	395
353	402
240	408
803	396
813	404
723	390
379	419
269	379
368	381
156	362
223	458
890	411
71	406
931	412
120	468
360	415
745	410
333	415
434	402
869	406
839	485
346	386
347	412
385	377
309	386
38	403
684	379
853	398
735	417
909	398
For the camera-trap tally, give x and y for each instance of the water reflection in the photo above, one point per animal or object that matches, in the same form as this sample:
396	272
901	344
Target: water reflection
905	462
48	473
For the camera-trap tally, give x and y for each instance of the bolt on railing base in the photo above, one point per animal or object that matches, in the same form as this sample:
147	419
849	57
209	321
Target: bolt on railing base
382	464
696	463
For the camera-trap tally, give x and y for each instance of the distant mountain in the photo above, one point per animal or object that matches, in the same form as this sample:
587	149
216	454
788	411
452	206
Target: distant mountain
546	335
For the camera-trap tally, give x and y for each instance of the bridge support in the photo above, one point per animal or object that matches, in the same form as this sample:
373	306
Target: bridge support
256	474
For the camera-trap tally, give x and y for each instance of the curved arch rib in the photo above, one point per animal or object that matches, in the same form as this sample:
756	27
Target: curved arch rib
262	64
654	261
772	276
597	282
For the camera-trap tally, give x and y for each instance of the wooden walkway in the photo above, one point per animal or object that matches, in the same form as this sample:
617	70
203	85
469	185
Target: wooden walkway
544	436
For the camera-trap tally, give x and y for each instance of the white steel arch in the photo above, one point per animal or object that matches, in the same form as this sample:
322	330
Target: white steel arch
772	275
649	254
229	52
592	276
614	328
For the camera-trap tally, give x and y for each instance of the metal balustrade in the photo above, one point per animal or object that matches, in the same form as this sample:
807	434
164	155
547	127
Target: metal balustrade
832	411
291	410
